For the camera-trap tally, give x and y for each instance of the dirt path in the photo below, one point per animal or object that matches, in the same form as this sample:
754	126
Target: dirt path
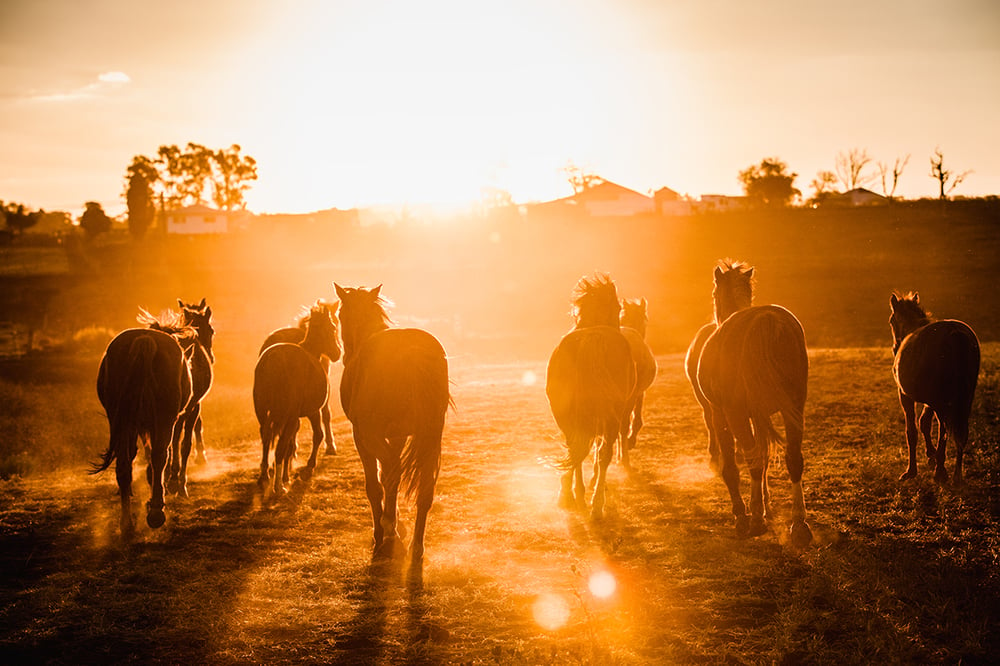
510	578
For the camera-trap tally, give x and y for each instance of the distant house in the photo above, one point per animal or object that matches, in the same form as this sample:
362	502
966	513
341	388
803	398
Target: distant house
201	219
859	196
606	199
669	202
717	203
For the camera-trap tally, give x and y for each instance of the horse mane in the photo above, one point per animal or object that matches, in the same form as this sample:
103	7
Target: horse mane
595	302
169	322
306	312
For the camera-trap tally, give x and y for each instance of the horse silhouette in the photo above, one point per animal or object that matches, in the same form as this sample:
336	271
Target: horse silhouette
754	365
295	334
733	292
394	390
199	316
634	321
289	384
143	383
936	364
589	380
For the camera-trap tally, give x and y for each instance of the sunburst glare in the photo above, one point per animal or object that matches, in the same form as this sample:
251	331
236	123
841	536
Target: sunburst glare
551	611
602	584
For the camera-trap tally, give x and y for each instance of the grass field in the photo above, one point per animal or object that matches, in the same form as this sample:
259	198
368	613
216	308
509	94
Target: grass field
898	572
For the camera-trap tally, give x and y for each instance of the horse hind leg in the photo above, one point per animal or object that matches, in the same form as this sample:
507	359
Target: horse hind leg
799	531
326	417
123	473
283	455
159	451
730	472
637	423
926	425
305	473
266	439
605	453
373	489
754	446
200	457
193	417
174	466
961	437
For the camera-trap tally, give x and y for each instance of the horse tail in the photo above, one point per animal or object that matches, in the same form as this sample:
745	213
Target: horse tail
420	459
134	411
775	373
963	358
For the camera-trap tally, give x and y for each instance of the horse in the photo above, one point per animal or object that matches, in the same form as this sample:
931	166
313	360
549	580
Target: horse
196	343
634	321
753	365
143	383
395	392
936	363
289	383
589	379
733	292
199	316
296	334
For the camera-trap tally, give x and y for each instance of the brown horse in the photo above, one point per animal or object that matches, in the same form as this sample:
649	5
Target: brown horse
937	364
395	392
754	365
143	384
289	384
295	334
193	341
733	292
199	316
634	321
589	380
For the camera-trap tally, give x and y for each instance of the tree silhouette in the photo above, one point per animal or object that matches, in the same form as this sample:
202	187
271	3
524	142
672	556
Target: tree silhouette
139	198
886	175
947	179
850	168
579	178
231	174
823	186
18	218
94	220
769	183
180	177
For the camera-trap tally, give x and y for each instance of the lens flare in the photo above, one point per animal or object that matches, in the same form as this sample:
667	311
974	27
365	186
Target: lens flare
602	584
551	611
529	378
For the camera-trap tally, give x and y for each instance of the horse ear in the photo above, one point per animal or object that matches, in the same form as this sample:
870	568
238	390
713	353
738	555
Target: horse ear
341	294
208	310
180	303
643	302
750	272
202	304
718	273
916	298
893	301
376	290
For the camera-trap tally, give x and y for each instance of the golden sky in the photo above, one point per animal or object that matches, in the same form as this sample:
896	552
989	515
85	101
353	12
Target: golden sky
347	103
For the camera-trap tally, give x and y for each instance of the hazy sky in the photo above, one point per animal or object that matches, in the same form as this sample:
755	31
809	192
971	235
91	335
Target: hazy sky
348	103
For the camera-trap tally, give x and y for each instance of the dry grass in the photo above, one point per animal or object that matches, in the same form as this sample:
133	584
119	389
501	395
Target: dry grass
899	572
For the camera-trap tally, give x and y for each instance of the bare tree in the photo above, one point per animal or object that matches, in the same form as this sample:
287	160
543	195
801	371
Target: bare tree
823	186
897	171
946	178
579	178
851	168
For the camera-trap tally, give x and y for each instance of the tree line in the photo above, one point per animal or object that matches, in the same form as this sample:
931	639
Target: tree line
770	183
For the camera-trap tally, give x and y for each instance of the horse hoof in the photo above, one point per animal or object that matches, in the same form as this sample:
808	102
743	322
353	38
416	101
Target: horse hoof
800	534
305	473
941	477
757	527
742	527
908	474
155	518
201	459
330	450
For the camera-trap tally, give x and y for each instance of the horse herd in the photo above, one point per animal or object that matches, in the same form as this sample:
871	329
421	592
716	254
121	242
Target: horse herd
747	365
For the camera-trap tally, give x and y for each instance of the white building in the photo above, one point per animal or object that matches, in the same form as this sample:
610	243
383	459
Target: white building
201	219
